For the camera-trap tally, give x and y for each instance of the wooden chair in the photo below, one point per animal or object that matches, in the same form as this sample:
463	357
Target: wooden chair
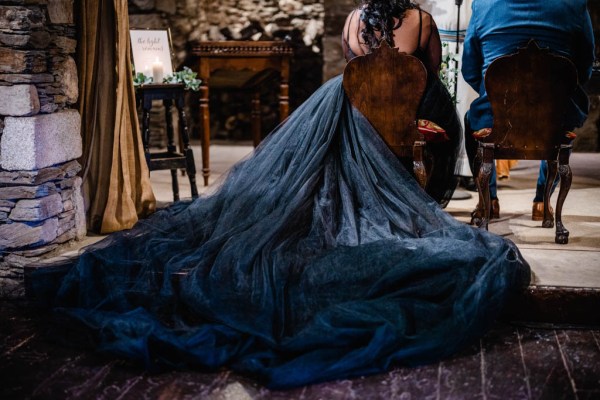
529	92
386	87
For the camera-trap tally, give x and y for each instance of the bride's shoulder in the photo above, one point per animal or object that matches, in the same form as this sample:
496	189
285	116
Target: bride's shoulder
356	12
353	18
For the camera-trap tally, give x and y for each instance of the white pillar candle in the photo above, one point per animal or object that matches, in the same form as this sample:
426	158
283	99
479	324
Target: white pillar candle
157	72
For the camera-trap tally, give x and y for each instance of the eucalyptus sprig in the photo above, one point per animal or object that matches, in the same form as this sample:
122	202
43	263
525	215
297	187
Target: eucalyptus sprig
141	79
187	77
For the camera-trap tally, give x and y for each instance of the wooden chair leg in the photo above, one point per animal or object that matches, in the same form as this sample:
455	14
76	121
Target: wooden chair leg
566	176
419	163
475	215
550	177
483	181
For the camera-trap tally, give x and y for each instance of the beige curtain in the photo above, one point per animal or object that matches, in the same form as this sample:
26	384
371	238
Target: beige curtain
116	180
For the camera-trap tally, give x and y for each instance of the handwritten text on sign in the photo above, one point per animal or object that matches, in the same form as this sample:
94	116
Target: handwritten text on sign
151	48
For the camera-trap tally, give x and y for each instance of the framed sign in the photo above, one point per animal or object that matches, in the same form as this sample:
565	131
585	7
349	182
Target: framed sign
151	49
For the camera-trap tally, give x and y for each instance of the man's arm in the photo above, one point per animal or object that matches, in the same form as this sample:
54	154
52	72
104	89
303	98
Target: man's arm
584	50
472	59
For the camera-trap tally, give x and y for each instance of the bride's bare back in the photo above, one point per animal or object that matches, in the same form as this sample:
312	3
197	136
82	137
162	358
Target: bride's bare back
417	34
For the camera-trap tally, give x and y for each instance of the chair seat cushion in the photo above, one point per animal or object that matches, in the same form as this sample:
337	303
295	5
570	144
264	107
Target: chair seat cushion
480	134
431	131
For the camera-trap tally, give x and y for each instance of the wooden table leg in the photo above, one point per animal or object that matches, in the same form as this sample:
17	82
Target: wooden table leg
205	118
284	99
255	118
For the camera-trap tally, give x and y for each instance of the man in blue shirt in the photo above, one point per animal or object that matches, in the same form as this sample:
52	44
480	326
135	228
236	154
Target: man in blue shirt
499	27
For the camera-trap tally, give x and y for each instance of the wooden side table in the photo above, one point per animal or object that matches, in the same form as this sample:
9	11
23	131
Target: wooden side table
171	159
243	65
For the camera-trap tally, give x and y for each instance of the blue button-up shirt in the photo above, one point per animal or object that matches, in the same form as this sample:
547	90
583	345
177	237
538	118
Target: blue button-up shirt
499	27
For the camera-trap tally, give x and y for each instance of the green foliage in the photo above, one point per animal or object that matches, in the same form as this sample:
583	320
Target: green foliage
141	79
449	70
187	77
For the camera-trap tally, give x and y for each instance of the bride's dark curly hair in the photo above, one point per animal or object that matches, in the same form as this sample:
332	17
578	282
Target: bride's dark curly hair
378	16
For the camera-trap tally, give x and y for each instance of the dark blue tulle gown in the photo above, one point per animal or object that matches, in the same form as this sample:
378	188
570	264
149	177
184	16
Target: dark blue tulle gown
318	258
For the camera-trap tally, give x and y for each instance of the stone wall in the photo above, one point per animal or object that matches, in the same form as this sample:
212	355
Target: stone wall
300	22
41	206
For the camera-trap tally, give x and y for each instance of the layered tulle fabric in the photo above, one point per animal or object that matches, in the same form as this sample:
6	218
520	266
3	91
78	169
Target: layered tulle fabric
319	257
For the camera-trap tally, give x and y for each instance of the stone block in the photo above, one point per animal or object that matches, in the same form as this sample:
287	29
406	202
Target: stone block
65	237
27	78
36	39
31	143
33	210
18	234
11	40
61	11
35	252
6	205
66	44
18	262
24	100
69	183
26	192
38	177
21	18
143	4
168	6
68	205
66	223
147	21
22	61
66	72
40	39
80	221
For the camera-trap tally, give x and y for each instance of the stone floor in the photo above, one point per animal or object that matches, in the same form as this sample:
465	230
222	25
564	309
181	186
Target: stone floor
511	362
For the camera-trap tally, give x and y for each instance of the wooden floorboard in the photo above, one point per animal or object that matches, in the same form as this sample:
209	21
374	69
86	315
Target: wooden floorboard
544	366
509	362
581	355
501	347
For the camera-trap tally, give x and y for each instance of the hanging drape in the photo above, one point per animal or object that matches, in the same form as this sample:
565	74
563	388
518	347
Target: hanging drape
116	180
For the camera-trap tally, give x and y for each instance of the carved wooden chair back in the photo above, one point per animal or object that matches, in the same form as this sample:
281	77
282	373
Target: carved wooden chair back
529	92
386	87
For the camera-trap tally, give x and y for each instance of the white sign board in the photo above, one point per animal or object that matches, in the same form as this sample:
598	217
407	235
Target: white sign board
151	53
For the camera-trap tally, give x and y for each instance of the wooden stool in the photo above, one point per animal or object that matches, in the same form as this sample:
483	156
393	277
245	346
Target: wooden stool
171	159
